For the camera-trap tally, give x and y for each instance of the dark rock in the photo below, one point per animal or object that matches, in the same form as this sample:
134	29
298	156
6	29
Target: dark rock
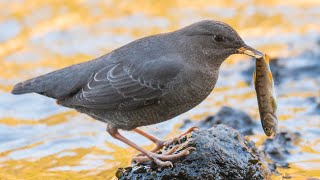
315	104
221	153
317	109
278	149
234	118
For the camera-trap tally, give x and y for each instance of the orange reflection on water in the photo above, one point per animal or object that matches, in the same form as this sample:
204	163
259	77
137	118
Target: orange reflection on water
43	44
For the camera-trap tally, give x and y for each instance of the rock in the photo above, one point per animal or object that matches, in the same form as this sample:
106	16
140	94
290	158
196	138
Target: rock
234	118
278	149
318	42
315	102
221	153
317	109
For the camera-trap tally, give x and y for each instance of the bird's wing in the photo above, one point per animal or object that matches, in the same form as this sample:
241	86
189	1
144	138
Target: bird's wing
127	86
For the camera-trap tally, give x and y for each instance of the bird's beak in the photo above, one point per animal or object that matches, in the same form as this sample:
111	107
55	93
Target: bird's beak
250	51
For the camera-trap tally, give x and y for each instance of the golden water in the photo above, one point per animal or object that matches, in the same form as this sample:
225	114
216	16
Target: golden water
39	139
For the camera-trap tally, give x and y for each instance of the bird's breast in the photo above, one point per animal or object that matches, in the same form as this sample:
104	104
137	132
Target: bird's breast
190	92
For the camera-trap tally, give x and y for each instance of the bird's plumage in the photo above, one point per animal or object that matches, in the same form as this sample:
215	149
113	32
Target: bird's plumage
126	86
57	84
147	81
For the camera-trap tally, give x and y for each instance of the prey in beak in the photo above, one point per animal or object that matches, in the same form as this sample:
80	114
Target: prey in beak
250	51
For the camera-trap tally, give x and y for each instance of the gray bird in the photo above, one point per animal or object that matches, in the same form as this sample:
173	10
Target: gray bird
147	81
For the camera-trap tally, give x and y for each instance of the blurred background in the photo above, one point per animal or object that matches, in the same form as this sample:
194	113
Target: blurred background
40	139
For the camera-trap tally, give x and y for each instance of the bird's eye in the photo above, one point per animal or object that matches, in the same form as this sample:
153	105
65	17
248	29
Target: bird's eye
218	38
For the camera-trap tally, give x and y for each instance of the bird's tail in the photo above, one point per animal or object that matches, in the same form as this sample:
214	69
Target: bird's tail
25	87
57	84
60	83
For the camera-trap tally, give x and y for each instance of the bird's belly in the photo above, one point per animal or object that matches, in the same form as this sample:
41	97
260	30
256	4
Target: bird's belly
164	110
176	102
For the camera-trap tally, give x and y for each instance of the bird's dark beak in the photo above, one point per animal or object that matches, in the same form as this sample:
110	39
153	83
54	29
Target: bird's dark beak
250	51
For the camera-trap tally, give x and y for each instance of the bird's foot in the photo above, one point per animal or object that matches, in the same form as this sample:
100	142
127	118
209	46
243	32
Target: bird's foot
163	160
166	143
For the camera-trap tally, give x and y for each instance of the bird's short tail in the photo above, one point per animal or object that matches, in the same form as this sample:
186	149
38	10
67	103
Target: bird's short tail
52	85
57	84
23	87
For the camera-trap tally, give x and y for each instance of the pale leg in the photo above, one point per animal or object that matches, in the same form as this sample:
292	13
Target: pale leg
161	143
157	158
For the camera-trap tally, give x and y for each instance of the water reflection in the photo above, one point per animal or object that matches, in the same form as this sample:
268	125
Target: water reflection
40	139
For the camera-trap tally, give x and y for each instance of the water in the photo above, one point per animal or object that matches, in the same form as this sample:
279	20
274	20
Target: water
40	139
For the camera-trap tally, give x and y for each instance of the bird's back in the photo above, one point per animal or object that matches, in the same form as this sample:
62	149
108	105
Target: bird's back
144	82
63	83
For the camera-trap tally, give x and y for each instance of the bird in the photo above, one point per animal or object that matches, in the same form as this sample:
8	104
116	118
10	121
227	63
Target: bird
150	80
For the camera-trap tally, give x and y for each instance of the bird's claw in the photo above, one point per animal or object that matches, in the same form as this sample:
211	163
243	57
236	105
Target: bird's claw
194	128
163	163
166	143
164	160
188	149
154	158
172	140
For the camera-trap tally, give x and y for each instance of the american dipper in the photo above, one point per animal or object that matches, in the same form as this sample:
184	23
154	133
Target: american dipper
147	81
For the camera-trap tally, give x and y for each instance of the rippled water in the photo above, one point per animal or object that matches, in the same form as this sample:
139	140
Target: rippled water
40	139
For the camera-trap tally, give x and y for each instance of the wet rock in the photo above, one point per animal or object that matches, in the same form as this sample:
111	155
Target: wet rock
317	109
234	118
221	153
278	149
315	102
318	42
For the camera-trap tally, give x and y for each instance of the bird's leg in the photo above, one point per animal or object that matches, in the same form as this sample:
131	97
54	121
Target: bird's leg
155	140
161	143
113	131
143	158
161	160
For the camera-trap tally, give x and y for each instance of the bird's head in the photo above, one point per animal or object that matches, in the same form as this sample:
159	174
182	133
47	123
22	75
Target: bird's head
218	38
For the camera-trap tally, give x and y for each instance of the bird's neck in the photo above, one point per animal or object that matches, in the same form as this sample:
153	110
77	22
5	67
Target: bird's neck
202	79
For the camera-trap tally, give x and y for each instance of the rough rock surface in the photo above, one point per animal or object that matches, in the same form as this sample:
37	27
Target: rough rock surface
234	118
221	153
